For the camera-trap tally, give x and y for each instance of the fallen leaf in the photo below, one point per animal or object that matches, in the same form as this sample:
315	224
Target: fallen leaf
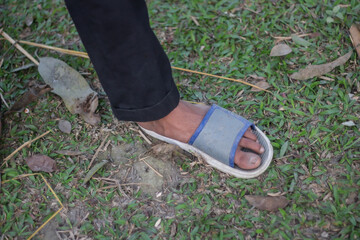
173	230
163	148
355	37
280	50
25	33
325	235
352	198
157	224
254	76
93	170
69	152
300	41
348	123
71	87
88	108
353	97
329	20
34	92
262	84
267	203
41	162
29	20
283	149
318	70
64	126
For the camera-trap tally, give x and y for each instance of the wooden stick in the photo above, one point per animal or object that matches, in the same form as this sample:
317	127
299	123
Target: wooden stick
355	38
97	151
121	184
65	51
144	137
3	99
289	38
22	146
21	176
12	41
143	159
216	76
106	179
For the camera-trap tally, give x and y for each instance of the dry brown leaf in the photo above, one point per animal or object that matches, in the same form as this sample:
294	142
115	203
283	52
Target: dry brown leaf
34	92
29	20
267	203
254	76
173	230
352	198
71	87
69	152
355	37
64	126
41	162
280	50
317	70
262	84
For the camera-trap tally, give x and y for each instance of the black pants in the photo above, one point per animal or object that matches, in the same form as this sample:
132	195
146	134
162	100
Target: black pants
129	60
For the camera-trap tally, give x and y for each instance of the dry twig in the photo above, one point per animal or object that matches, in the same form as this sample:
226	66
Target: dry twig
65	51
143	159
22	146
279	39
3	99
12	41
121	184
144	137
98	150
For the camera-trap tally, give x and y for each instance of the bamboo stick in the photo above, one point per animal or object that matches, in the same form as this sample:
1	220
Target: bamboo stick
12	41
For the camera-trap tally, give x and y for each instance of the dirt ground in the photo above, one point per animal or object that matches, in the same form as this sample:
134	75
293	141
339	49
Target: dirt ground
150	170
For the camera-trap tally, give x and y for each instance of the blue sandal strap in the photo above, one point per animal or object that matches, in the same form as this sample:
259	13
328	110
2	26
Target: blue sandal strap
219	134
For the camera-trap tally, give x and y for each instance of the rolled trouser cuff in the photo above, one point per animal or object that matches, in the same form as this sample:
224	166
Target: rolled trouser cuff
152	113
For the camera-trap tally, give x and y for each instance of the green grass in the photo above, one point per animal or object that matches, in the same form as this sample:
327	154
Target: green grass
316	159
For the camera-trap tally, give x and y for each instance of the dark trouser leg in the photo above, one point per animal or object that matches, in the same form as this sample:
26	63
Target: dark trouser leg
129	60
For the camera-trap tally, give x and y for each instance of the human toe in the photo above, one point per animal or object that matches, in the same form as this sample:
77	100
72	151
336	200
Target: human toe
249	134
247	160
252	145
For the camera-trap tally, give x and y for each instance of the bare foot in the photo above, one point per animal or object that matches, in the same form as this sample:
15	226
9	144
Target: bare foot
182	122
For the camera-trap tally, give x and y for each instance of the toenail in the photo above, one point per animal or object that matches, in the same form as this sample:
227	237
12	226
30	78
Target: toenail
262	149
253	160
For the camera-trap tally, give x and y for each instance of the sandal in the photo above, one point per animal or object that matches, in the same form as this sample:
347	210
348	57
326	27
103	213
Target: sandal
217	138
